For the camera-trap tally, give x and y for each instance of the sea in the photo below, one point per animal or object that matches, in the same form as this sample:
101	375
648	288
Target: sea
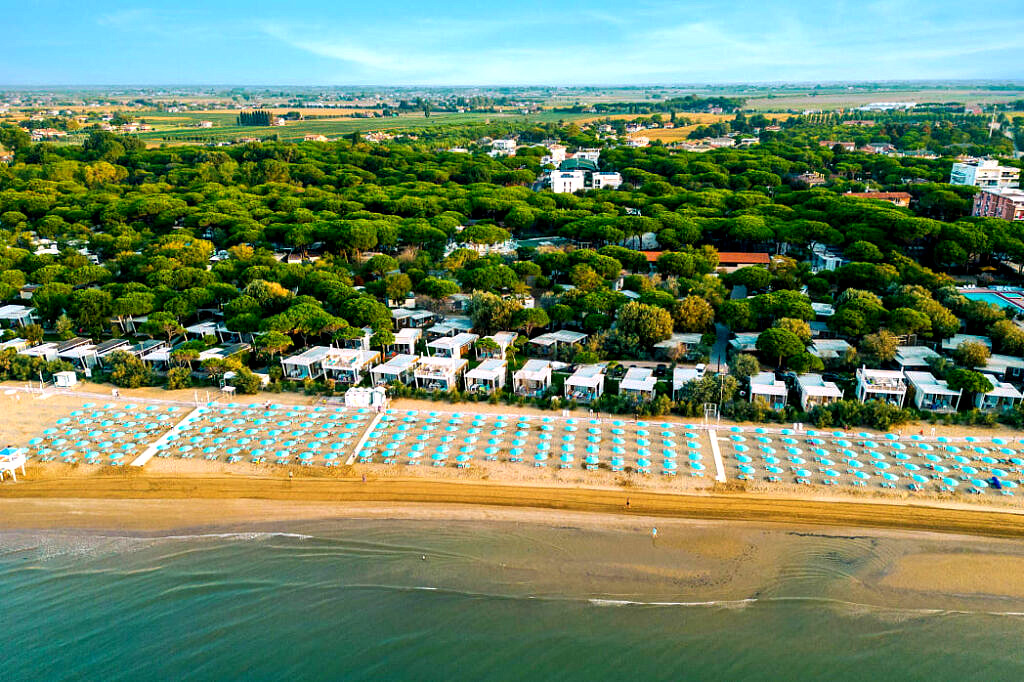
402	599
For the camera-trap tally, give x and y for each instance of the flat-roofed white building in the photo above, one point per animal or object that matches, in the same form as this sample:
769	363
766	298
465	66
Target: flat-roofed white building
679	341
638	383
911	357
984	173
406	340
488	376
815	391
681	376
586	384
534	379
452	346
46	351
16	315
881	384
14	344
306	364
744	342
829	349
81	353
439	374
1002	397
503	339
765	386
410	317
348	365
549	343
952	343
567	181
933	394
605	180
1006	367
398	369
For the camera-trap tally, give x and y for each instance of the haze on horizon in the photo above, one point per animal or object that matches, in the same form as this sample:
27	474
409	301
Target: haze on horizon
534	43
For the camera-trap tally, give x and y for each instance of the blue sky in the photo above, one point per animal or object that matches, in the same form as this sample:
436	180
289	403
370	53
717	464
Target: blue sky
403	42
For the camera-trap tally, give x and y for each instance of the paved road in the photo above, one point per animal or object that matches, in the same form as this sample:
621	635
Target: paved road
719	350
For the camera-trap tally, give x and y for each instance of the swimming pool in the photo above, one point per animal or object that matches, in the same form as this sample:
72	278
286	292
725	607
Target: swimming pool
1013	299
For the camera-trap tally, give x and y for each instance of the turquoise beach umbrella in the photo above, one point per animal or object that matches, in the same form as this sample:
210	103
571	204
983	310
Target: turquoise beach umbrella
773	470
747	469
643	463
744	458
802	473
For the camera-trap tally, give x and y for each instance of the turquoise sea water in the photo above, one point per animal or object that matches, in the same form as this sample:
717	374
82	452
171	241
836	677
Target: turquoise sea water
373	600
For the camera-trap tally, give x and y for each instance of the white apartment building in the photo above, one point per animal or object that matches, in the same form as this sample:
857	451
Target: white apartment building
985	173
567	181
503	147
605	180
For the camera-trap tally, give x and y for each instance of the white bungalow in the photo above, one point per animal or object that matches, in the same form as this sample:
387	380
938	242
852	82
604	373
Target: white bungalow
881	384
405	341
682	376
80	352
638	383
548	344
1006	367
586	384
534	379
158	359
411	318
744	342
16	315
452	346
46	351
305	365
358	342
397	369
450	327
209	328
348	365
952	343
815	391
503	339
111	346
680	342
1002	397
439	374
829	349
764	385
933	394
488	376
911	357
14	344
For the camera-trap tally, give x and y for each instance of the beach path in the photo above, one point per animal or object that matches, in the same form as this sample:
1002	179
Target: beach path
717	454
362	440
153	448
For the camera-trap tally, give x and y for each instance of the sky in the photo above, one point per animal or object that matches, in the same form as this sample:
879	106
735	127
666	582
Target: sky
534	42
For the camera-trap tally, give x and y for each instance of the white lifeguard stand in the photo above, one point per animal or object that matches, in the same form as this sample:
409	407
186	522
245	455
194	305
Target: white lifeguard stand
65	379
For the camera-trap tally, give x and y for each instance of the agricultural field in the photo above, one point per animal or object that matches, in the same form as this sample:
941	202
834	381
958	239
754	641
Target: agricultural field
180	127
846	100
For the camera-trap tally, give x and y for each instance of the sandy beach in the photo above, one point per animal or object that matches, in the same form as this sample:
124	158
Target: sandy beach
174	492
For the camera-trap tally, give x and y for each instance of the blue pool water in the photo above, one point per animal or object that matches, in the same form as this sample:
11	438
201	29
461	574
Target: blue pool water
989	297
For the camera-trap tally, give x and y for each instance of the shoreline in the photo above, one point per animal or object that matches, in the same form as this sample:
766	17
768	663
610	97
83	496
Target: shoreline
196	500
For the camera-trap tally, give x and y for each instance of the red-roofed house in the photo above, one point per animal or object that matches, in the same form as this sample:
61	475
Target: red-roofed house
895	198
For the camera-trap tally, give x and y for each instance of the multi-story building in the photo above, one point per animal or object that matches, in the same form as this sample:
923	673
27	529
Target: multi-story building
1007	204
984	173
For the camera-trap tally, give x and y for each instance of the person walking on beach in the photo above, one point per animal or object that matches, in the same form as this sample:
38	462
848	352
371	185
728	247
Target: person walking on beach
627	503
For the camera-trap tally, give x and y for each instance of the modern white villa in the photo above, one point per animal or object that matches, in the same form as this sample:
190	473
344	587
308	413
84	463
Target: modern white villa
638	383
815	391
766	387
400	368
933	394
488	376
586	384
439	374
881	384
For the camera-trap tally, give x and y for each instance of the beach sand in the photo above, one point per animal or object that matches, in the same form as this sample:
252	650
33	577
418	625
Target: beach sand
217	488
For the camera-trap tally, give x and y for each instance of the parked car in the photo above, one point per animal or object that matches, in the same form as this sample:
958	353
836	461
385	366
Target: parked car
660	371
